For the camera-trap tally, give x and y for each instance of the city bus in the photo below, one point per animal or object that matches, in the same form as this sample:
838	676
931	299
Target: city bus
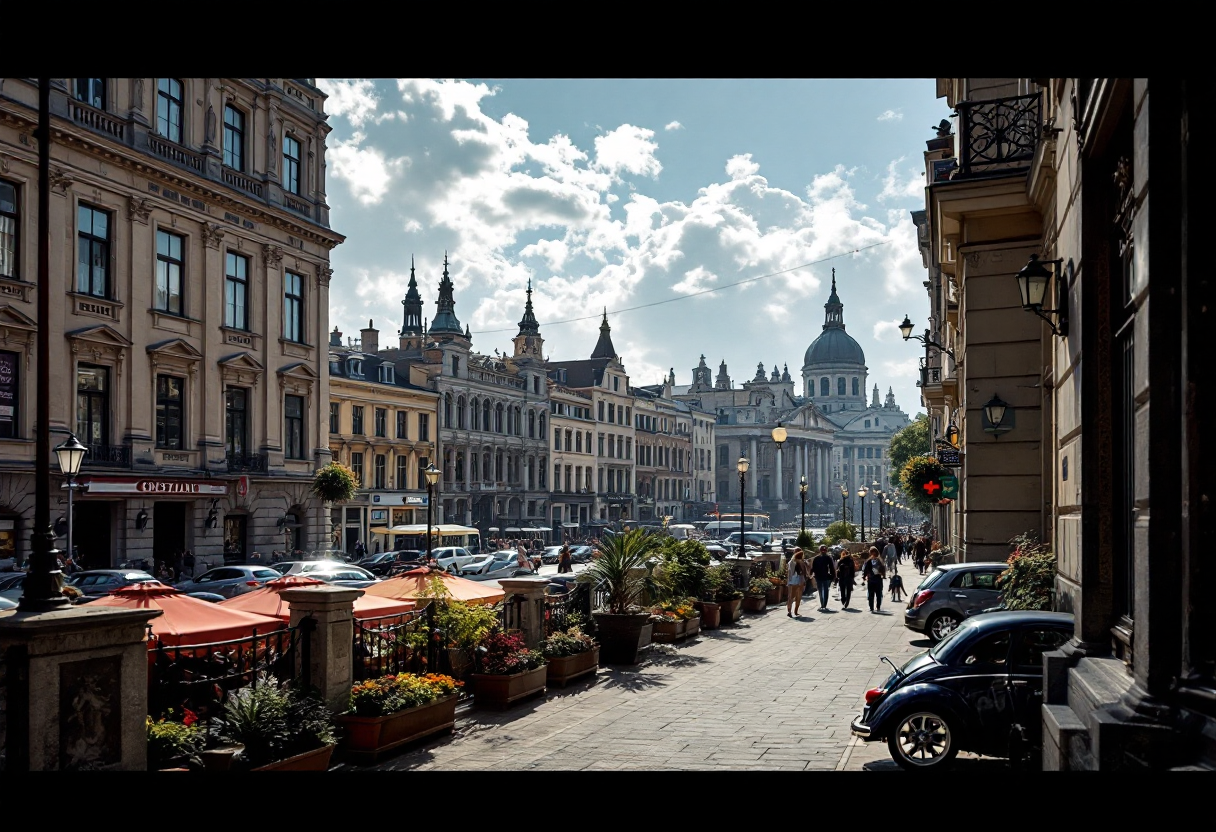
725	523
413	536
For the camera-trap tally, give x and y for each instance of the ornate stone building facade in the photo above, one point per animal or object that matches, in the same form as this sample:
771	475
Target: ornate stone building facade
190	292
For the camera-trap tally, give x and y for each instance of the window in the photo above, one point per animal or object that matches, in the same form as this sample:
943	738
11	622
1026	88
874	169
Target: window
856	389
611	412
169	109
531	424
8	230
498	418
388	374
293	427
92	405
601	411
354	368
455	366
824	388
236	291
990	653
840	386
291	165
460	411
557	477
447	410
628	415
234	138
92	91
236	421
402	424
293	307
1033	643
168	272
601	443
10	398
557	440
381	421
424	427
93	252
723	454
356	466
335	411
403	467
616	383
169	428
356	420
578	441
381	472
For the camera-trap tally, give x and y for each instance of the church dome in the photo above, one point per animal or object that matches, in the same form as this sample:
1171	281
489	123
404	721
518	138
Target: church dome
834	347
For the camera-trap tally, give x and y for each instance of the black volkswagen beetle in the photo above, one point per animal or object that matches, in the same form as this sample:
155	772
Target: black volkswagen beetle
979	689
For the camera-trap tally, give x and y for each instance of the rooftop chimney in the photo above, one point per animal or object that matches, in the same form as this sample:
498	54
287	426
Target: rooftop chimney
335	338
370	339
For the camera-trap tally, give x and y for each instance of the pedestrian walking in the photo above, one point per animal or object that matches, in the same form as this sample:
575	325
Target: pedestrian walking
896	585
521	558
563	559
825	574
873	571
846	573
890	556
360	550
188	563
796	578
919	552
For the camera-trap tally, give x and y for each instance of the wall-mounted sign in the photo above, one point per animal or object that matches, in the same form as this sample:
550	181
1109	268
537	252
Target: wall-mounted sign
156	487
949	457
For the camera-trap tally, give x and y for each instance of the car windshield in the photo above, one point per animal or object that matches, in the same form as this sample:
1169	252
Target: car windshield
929	578
265	573
944	650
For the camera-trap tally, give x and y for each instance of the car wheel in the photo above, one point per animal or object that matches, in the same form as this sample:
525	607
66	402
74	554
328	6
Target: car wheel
922	740
941	625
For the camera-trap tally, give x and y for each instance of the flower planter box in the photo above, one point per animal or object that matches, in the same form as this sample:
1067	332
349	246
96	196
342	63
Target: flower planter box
692	626
732	610
495	690
565	668
755	603
711	614
315	760
668	631
370	736
775	595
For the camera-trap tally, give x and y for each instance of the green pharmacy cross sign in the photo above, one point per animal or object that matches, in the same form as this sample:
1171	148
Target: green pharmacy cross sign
949	484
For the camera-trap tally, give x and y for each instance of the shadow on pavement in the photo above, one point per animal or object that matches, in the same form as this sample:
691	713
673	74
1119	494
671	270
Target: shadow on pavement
921	642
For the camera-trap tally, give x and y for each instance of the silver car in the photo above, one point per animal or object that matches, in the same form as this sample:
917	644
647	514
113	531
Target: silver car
950	593
229	581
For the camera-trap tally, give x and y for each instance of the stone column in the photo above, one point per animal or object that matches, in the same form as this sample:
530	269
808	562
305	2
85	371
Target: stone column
77	689
330	660
525	608
755	471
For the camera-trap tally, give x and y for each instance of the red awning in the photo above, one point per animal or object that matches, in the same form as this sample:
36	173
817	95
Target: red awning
414	583
266	601
186	620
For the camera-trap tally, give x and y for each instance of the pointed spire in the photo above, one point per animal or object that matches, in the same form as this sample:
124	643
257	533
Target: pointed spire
785	372
722	382
890	398
445	315
412	325
874	401
529	325
603	347
834	314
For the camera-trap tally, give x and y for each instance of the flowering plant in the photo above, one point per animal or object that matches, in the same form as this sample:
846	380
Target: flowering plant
503	654
396	692
169	739
758	587
568	642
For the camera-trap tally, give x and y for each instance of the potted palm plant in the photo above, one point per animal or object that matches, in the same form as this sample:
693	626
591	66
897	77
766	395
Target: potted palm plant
623	569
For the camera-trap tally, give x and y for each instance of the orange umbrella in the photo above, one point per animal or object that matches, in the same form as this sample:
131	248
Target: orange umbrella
267	601
186	620
416	582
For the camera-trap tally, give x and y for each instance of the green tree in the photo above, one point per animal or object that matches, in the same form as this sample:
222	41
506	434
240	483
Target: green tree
909	442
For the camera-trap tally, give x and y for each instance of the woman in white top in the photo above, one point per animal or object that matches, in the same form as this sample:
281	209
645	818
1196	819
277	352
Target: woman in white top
795	580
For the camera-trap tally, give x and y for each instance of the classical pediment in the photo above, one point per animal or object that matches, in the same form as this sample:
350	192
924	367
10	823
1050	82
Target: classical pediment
241	361
102	335
174	348
299	370
16	319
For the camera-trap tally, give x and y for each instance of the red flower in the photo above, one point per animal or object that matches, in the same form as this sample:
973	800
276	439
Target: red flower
190	718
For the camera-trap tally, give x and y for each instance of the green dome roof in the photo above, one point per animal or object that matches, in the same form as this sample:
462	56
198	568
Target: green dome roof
834	347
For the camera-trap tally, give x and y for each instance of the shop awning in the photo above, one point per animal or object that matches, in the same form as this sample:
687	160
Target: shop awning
267	601
441	529
186	620
416	582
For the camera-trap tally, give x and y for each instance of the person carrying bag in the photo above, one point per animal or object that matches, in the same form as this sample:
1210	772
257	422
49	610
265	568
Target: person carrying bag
795	581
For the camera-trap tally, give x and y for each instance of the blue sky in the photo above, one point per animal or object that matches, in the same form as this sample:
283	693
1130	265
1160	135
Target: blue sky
652	193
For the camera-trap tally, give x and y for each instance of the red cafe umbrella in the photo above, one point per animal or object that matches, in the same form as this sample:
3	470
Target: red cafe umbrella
414	583
186	620
267	601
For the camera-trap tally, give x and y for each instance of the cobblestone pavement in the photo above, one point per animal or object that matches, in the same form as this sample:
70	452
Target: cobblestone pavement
768	692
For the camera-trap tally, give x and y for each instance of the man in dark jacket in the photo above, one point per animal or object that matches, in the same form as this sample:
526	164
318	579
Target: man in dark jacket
825	573
845	572
873	571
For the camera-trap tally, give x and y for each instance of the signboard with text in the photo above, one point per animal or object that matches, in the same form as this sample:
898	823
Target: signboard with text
949	457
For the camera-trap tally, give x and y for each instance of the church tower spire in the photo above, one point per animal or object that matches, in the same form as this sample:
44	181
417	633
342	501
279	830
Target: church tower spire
445	322
528	343
834	309
604	348
411	327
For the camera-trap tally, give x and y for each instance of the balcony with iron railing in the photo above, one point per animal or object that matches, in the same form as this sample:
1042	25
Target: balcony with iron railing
248	463
108	456
998	137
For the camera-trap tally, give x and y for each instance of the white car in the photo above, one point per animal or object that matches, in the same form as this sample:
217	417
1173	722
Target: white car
504	564
449	556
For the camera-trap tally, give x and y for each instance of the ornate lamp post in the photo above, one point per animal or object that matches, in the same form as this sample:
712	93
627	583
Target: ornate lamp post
742	465
874	487
844	503
862	492
802	493
779	435
432	477
70	455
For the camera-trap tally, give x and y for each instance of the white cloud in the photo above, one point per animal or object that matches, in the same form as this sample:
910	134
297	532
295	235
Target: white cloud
353	99
627	149
673	125
366	170
888	330
891	115
741	167
903	182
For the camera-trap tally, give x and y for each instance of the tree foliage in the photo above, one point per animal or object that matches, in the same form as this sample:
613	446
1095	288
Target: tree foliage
838	531
1030	581
909	442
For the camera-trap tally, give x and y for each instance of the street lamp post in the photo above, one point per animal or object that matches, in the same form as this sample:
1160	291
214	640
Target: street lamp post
432	477
862	492
876	490
742	465
802	493
70	455
779	435
844	503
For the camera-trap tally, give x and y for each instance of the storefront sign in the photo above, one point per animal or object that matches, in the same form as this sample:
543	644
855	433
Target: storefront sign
8	388
157	487
949	457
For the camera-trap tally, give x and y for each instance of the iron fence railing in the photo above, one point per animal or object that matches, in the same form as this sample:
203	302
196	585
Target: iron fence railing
112	456
563	611
200	676
998	137
399	643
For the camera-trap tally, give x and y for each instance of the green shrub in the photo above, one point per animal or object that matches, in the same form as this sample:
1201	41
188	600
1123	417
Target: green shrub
273	722
169	741
1030	581
838	531
805	541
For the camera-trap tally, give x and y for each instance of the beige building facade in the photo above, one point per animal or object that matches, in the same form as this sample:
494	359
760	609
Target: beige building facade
190	277
573	485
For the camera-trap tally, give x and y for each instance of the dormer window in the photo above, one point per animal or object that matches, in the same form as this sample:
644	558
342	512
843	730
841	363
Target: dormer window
354	367
335	365
387	374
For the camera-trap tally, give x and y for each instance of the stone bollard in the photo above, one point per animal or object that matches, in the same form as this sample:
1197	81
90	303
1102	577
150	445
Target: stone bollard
525	605
330	658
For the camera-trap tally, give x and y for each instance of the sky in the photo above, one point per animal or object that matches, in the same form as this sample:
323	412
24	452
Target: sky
705	215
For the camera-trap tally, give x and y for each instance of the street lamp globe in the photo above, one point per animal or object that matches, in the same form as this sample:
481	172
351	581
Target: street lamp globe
906	327
742	465
780	434
71	456
432	474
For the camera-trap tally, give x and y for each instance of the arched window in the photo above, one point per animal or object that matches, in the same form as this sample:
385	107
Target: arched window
519	422
840	386
498	419
531	424
475	462
824	387
476	414
447	410
856	388
541	427
460	415
487	472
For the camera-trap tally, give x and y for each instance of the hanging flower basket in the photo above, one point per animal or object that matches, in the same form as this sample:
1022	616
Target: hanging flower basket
335	483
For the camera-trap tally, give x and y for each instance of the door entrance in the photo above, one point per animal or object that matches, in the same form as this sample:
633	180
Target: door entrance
92	534
168	533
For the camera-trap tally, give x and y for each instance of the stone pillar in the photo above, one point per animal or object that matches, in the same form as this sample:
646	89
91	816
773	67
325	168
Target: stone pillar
77	689
330	660
751	483
525	608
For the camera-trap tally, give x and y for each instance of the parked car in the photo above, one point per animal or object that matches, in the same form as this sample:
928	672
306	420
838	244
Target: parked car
6	604
379	563
212	597
229	581
581	554
949	594
447	556
10	585
347	575
979	689
551	554
94	583
560	584
502	564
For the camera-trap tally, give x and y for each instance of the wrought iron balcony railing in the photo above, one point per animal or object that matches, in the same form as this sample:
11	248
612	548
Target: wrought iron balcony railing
248	464
108	456
998	137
